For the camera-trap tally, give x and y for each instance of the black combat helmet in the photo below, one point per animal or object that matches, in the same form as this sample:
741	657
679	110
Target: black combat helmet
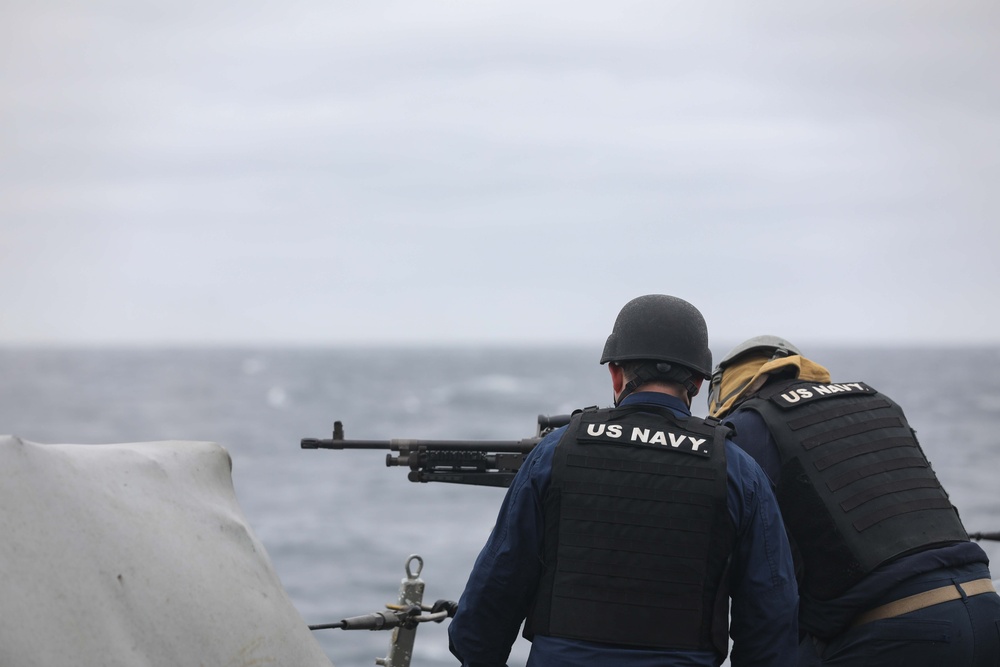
658	327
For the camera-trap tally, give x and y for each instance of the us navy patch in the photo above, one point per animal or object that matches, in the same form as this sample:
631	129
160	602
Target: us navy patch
644	430
802	394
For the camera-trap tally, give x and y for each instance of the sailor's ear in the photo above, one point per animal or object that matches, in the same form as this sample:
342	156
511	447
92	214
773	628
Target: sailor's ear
617	377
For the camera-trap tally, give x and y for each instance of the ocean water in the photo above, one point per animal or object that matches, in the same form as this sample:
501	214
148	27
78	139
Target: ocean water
339	525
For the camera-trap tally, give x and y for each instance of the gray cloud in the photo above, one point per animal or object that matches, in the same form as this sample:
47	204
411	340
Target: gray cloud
500	172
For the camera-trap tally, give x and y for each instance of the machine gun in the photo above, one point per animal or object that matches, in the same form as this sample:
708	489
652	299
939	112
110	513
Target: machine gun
476	462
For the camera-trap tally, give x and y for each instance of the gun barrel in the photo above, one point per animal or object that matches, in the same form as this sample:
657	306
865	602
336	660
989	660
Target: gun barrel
404	444
337	443
985	536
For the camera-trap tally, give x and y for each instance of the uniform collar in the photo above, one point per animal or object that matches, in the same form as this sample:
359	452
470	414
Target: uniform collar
657	398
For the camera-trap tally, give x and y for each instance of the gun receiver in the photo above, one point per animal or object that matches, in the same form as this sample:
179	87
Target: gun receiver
477	462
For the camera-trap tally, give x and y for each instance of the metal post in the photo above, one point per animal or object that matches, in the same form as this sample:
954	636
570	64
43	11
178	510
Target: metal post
411	592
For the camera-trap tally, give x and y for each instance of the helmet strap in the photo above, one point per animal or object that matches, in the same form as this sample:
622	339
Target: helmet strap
661	371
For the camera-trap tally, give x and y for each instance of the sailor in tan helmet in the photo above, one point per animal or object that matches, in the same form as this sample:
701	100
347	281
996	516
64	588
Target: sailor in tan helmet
887	574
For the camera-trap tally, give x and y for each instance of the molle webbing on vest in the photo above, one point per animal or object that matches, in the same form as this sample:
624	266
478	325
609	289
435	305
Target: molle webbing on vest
835	411
855	490
637	534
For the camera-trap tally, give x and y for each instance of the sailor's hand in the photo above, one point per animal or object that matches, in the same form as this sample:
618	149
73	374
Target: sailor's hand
449	606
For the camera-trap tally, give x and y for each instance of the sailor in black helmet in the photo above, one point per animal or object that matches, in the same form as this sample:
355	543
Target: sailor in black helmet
626	533
888	575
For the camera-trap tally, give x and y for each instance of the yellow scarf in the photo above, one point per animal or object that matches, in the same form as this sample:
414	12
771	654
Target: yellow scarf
749	374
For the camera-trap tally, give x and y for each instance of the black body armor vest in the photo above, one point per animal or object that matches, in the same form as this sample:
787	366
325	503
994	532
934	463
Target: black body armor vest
638	532
856	490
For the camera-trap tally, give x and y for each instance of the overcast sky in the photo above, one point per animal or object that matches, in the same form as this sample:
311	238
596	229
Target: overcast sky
213	172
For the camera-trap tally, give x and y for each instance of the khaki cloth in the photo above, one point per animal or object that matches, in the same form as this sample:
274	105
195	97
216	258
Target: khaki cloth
749	374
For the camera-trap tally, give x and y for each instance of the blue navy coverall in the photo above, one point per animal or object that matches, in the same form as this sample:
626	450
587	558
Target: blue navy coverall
963	632
503	581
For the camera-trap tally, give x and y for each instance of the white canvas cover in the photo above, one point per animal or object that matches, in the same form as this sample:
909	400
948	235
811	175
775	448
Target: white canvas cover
136	555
